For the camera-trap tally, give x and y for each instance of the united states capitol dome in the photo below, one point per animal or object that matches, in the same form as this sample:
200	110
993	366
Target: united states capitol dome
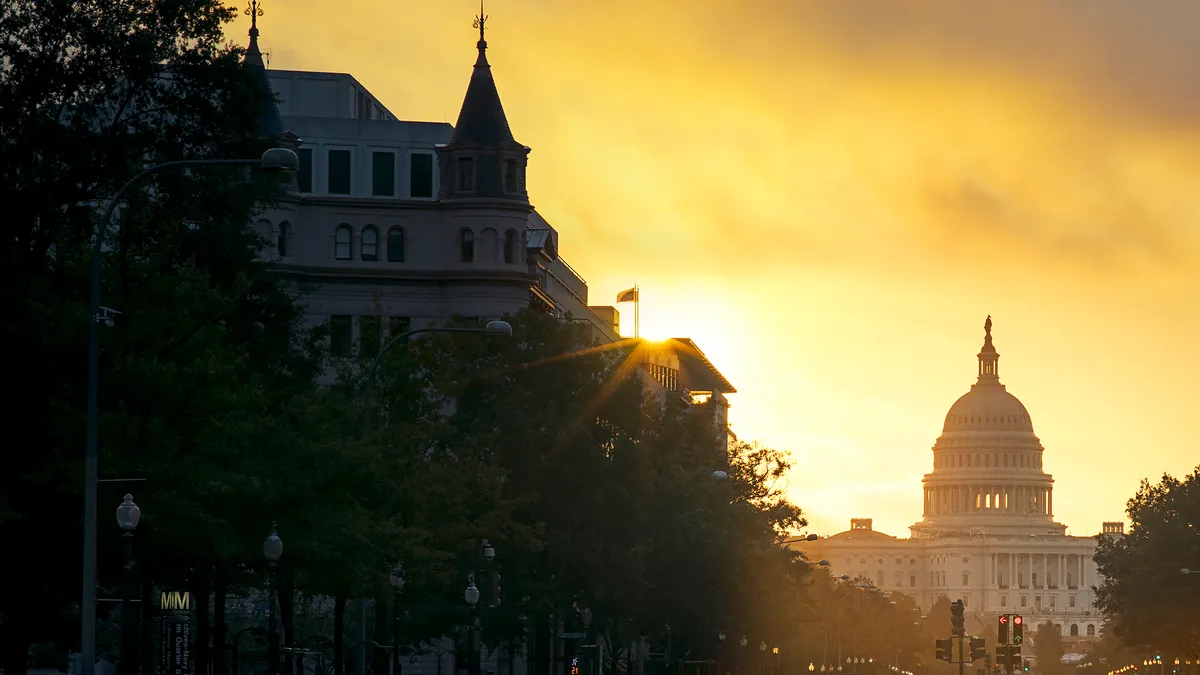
988	406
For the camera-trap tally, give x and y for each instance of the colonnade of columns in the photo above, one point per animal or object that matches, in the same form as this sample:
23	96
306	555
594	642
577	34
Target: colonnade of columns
1053	570
988	498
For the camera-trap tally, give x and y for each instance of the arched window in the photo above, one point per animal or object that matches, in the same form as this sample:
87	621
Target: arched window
341	241
510	246
281	242
369	244
466	242
395	245
1058	628
966	578
1091	630
1074	630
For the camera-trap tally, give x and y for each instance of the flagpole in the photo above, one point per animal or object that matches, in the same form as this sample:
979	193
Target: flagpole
637	307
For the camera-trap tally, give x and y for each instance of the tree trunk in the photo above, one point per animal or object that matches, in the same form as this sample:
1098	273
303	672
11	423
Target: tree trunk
220	635
287	608
200	588
339	633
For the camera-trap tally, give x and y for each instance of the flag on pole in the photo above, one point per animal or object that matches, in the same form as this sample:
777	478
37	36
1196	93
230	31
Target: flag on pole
630	295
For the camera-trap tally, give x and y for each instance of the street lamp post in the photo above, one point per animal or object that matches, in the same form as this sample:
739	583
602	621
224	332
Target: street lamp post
762	654
720	650
275	159
128	515
397	580
272	550
471	595
585	616
741	653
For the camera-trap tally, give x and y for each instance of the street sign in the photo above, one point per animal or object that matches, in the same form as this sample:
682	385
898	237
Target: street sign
572	636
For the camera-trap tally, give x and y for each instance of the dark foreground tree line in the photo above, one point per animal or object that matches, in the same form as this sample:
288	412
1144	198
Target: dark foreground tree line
594	490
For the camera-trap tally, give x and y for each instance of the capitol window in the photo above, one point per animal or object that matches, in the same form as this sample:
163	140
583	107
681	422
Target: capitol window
1052	598
966	578
1004	601
1071	601
1024	600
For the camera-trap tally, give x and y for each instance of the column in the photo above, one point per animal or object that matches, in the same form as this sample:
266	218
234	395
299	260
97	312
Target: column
1061	569
1012	571
1050	501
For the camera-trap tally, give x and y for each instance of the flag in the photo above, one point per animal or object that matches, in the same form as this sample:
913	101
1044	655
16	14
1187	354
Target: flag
630	295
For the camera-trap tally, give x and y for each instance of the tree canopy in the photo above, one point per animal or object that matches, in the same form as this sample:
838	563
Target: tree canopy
1147	601
596	490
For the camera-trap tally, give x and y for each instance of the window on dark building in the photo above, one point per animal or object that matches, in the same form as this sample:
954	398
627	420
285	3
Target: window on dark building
467	245
510	246
339	172
383	174
369	244
368	335
395	245
398	325
340	329
511	167
341	242
304	176
420	178
281	243
466	174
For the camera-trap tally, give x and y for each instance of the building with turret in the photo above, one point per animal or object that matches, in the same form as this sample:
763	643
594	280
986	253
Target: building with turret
394	224
987	534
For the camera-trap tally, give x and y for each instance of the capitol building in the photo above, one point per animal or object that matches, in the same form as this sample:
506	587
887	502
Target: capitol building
988	534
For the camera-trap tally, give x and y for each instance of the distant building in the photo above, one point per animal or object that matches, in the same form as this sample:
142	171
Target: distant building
988	534
394	224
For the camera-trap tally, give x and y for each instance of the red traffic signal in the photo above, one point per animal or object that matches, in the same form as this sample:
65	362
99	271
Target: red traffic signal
1016	619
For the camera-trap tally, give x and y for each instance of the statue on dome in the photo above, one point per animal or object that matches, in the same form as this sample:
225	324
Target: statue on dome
987	326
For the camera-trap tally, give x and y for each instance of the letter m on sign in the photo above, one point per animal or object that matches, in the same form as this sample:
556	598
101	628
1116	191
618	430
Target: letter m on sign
175	600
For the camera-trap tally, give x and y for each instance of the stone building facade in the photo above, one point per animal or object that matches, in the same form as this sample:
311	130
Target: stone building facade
393	224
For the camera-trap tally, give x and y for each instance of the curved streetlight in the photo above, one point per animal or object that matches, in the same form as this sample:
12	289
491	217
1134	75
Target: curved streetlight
275	159
497	328
720	475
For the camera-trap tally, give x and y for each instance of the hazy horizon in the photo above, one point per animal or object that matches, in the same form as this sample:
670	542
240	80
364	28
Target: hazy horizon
830	197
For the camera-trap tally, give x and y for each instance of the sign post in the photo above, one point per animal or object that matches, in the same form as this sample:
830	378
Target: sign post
175	634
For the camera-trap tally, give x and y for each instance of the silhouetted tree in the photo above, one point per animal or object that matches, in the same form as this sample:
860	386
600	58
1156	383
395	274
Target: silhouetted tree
1147	601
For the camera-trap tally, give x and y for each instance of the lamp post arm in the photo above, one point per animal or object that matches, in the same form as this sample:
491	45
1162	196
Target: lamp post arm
91	463
369	379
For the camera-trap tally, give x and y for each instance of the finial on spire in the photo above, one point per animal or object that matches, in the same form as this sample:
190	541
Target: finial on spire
987	326
480	21
253	10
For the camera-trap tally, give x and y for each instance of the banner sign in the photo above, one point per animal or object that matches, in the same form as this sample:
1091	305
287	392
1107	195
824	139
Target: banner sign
175	654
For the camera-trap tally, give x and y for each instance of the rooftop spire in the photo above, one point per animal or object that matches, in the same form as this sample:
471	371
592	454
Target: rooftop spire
988	358
270	124
482	120
254	10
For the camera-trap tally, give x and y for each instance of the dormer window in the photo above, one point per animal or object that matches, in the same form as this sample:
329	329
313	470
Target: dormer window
511	167
466	174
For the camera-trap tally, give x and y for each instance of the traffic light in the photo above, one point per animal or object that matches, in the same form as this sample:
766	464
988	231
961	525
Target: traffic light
957	624
978	648
1002	629
944	649
1018	630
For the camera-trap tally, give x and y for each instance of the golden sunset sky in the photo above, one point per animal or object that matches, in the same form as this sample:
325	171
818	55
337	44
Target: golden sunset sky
830	196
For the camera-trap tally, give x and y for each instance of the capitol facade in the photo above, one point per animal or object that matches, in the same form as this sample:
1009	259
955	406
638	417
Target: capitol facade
988	534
